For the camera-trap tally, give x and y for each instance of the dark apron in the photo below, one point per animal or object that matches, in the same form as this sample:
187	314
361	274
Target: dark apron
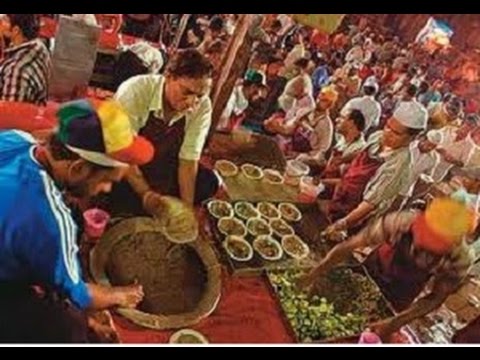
162	172
349	193
397	274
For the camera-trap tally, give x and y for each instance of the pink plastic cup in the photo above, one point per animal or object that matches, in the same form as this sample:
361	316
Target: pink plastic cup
369	337
96	221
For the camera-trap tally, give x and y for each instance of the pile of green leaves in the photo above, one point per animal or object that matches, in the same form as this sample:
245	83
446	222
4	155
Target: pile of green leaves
336	313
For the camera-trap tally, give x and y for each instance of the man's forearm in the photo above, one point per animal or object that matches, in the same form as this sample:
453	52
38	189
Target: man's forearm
102	297
360	213
187	179
417	310
336	256
137	181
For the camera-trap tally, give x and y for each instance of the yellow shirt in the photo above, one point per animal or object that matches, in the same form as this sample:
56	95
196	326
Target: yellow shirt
143	94
439	117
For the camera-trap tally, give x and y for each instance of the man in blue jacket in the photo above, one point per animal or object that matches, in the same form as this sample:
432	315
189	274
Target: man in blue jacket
93	148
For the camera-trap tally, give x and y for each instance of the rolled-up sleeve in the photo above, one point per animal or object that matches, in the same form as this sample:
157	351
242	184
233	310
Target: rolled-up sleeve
387	229
136	96
196	131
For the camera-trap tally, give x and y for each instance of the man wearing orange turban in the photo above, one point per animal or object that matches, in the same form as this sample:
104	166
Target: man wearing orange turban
411	248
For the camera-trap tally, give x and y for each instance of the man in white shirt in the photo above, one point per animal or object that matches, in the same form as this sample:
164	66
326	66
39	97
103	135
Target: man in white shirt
242	94
349	142
318	129
455	151
424	161
380	172
370	108
174	111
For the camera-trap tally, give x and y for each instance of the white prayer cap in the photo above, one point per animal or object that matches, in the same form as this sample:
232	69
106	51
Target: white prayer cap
412	115
150	56
372	82
435	137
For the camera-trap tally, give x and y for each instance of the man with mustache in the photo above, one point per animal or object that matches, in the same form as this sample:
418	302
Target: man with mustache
92	148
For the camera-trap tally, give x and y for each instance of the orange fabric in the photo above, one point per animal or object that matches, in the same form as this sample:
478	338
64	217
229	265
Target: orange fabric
27	117
247	314
108	39
450	218
426	239
48	27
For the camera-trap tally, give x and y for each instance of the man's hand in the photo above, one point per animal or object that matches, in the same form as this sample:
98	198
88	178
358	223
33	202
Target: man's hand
307	282
177	217
445	155
101	324
335	232
310	282
274	124
129	296
384	330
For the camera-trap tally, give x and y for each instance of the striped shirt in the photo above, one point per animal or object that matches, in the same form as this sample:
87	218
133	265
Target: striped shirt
25	72
390	178
391	229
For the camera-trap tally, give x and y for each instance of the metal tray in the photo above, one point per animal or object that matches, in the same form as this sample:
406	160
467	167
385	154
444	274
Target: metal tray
357	268
308	229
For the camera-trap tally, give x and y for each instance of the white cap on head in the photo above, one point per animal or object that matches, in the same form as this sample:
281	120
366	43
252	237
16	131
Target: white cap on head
372	82
412	115
435	137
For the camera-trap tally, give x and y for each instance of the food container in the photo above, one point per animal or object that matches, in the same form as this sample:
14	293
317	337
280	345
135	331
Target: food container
369	337
273	177
252	172
308	190
261	245
295	171
226	168
96	221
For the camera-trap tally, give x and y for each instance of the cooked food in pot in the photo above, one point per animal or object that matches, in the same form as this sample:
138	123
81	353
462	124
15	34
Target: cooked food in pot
220	209
268	210
231	226
281	228
245	210
268	248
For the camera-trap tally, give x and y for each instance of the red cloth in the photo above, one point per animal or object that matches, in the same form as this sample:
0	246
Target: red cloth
108	39
247	314
48	27
365	72
349	193
27	117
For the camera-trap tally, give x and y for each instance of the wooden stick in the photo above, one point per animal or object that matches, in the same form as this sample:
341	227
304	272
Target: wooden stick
180	31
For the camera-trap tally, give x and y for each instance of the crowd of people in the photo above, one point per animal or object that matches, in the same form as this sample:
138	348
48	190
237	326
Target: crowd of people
373	117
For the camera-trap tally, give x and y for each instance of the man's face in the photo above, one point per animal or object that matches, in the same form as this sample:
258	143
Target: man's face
395	135
453	109
85	181
344	125
274	69
323	102
184	94
252	92
6	29
426	146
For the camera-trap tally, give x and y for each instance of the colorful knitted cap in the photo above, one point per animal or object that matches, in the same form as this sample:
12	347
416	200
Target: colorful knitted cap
101	134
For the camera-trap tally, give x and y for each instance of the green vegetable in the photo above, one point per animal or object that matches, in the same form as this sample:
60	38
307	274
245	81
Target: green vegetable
346	304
